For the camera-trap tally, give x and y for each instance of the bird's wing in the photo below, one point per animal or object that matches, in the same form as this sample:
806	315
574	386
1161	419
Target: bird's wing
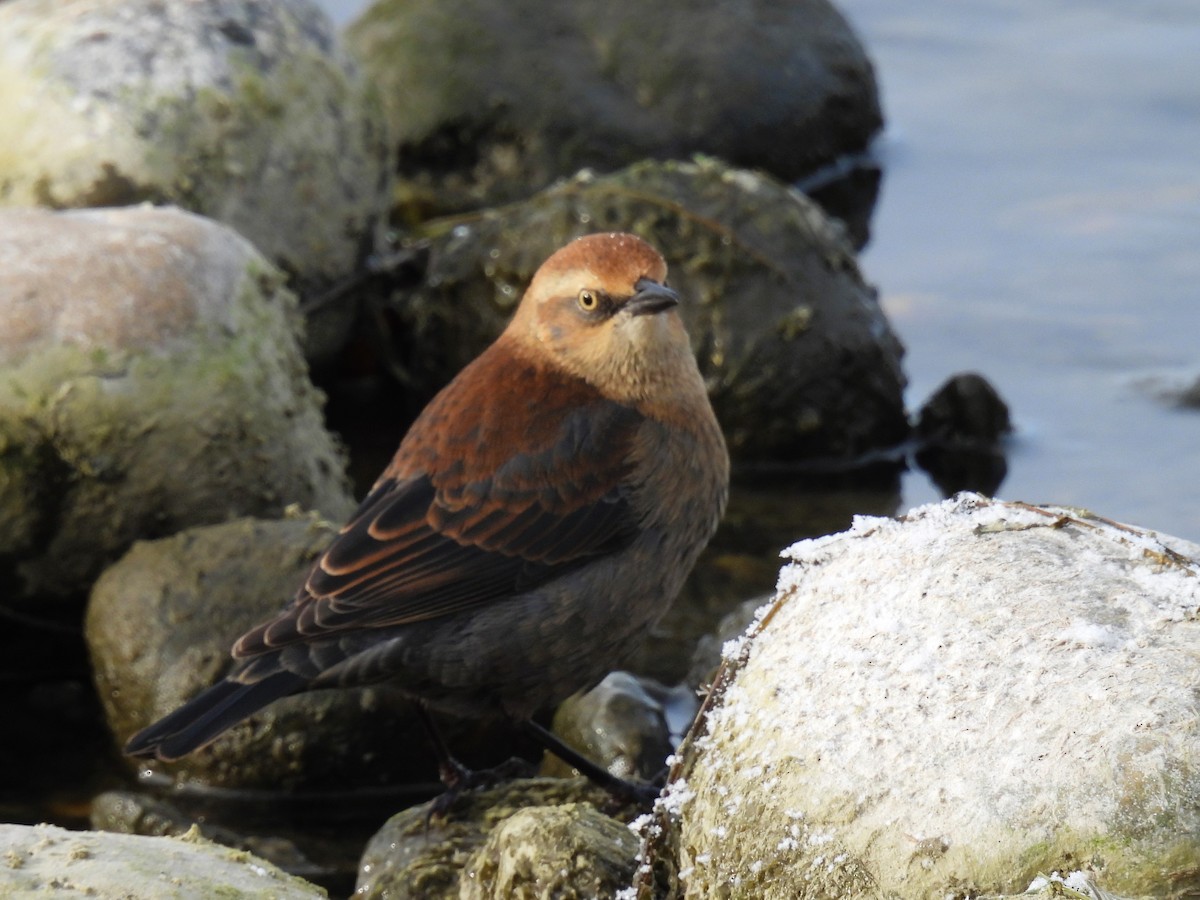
432	543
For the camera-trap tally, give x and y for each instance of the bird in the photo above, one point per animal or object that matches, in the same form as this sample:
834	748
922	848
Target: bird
538	517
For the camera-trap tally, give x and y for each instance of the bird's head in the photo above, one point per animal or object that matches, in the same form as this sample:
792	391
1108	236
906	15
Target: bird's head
601	309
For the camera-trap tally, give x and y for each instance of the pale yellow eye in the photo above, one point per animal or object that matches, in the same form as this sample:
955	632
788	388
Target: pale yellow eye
588	300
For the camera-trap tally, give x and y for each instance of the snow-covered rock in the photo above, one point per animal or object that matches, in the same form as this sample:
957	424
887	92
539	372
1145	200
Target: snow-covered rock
951	703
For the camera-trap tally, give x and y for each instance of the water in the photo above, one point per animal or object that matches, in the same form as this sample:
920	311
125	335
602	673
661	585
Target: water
1040	223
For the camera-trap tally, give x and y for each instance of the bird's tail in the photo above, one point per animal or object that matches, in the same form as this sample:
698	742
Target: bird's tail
208	714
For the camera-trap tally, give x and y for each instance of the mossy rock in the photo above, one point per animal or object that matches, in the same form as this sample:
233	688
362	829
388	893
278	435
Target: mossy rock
535	838
490	102
246	111
798	356
150	380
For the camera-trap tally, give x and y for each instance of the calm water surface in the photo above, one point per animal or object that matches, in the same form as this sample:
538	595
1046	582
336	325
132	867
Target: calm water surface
1040	222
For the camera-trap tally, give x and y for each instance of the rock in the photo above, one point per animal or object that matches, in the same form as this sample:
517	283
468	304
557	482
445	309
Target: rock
569	852
159	627
848	192
491	102
320	840
44	861
246	111
951	704
150	380
960	430
1189	397
1178	390
800	359
709	651
966	410
538	838
130	812
627	724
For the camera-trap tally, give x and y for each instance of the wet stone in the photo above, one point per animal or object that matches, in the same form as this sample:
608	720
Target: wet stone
965	410
960	431
624	724
544	837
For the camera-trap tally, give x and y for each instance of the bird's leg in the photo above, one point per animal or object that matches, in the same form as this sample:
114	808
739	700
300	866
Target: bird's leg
456	777
626	791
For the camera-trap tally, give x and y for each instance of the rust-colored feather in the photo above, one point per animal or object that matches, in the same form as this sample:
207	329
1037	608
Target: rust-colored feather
462	518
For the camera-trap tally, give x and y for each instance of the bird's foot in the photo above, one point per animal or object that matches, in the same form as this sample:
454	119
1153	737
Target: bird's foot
457	778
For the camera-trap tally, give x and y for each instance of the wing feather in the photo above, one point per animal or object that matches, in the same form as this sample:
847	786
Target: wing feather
430	544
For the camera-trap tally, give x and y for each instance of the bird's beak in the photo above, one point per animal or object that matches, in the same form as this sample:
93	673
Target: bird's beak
651	297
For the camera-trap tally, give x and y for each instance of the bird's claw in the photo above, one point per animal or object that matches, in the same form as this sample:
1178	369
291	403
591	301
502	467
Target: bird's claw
457	778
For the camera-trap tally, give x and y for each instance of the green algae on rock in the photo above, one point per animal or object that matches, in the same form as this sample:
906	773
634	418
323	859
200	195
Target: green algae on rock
152	380
799	357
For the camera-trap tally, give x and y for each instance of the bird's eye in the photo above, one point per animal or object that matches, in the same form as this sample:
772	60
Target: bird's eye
588	300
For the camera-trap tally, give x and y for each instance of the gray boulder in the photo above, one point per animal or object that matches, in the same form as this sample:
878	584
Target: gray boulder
246	111
150	380
490	102
626	724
